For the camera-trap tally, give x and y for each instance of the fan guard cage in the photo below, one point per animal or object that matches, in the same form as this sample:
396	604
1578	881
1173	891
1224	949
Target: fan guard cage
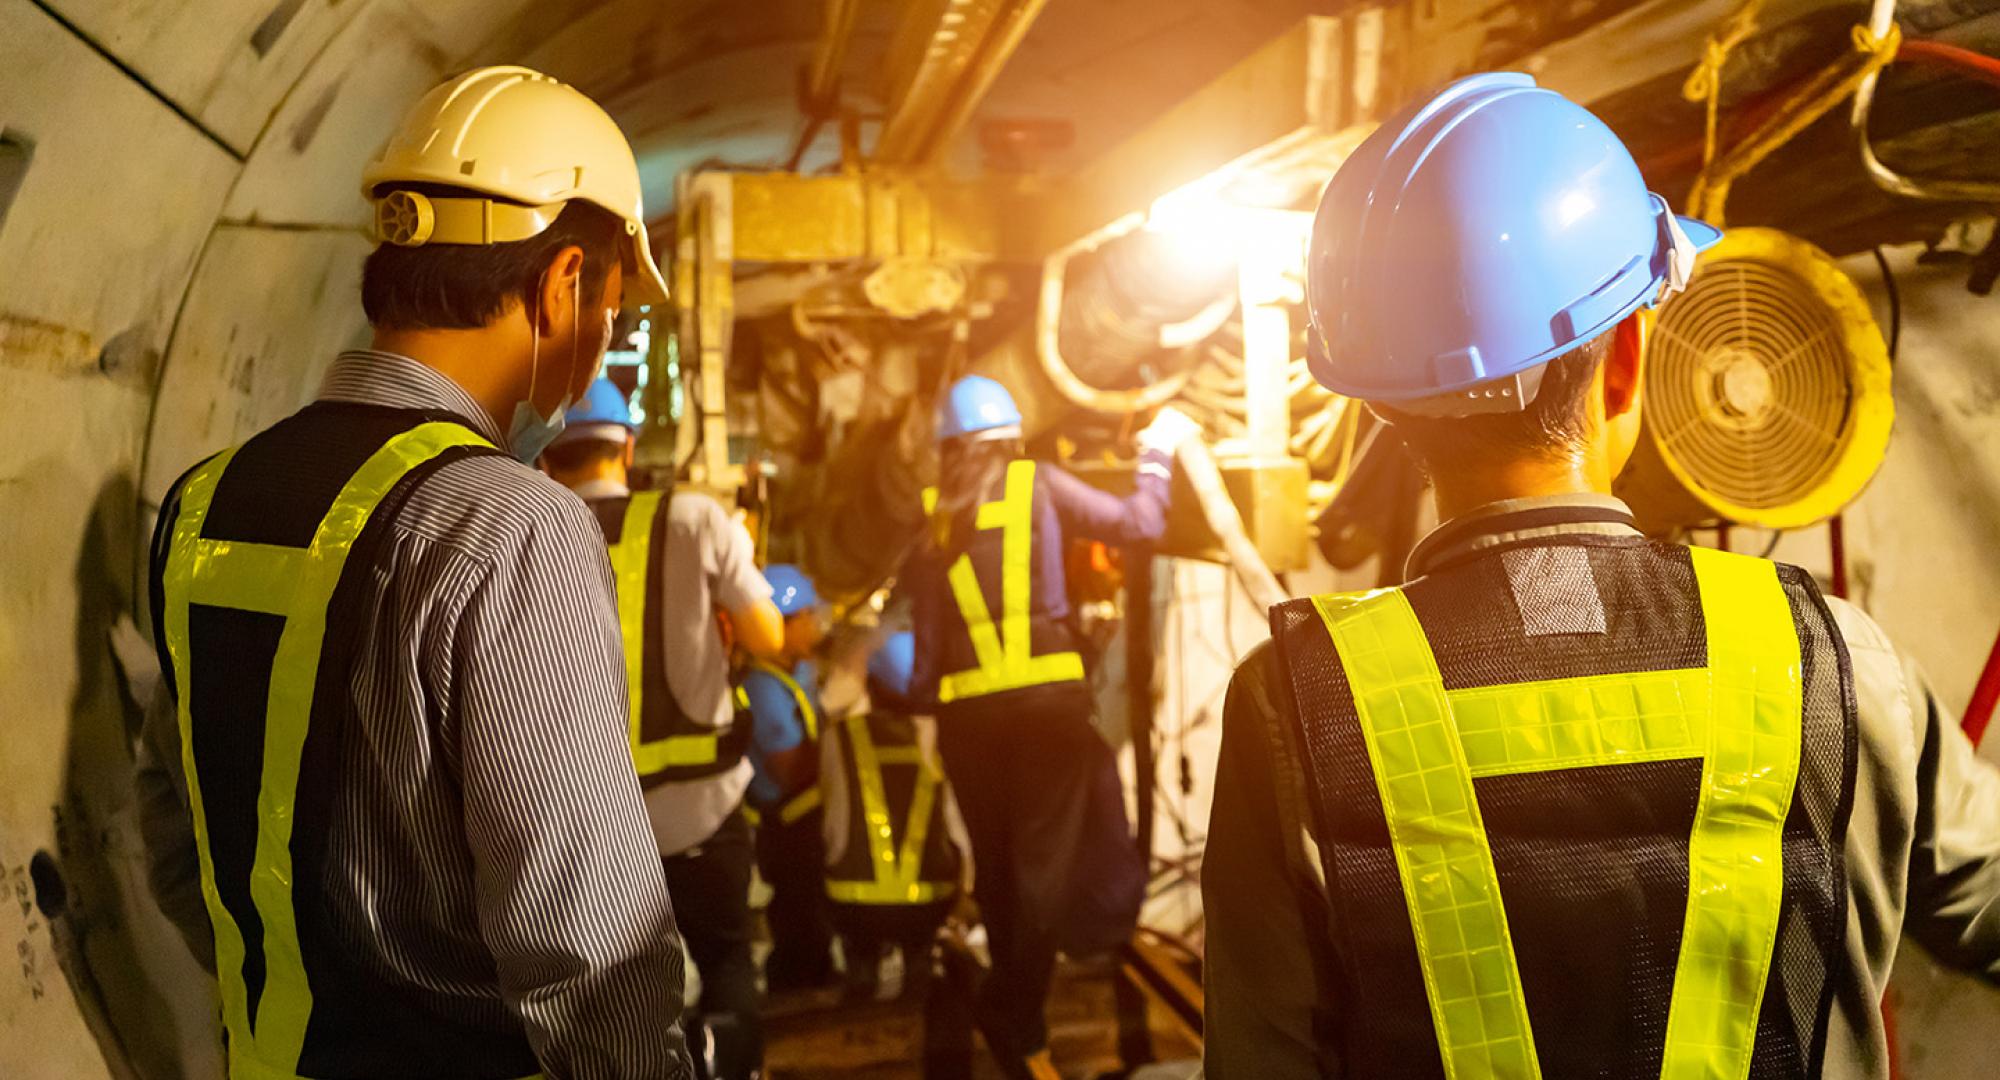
1768	383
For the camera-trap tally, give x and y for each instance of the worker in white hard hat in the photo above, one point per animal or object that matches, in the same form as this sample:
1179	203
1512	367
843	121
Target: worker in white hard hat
395	651
1572	801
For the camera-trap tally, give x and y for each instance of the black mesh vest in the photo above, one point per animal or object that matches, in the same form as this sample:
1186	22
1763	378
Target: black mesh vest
1593	862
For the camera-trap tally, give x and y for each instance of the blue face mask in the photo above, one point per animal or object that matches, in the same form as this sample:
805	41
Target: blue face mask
530	433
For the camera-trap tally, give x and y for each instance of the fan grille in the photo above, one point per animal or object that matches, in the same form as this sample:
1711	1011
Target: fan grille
1750	390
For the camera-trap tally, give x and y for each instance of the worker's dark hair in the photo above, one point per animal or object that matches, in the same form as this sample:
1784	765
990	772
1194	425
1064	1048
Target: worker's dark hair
1551	425
578	454
467	286
967	470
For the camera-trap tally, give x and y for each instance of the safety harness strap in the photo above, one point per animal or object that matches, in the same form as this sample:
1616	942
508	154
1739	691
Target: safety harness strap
297	584
1004	650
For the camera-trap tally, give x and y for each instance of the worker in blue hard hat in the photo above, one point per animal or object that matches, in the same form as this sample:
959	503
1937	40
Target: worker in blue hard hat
892	858
677	560
1571	802
997	650
781	695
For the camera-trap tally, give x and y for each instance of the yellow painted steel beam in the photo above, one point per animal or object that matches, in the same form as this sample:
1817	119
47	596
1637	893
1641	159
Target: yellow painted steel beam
785	218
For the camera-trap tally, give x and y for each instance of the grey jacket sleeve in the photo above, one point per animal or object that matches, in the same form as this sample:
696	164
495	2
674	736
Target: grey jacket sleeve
1926	825
1954	907
1268	970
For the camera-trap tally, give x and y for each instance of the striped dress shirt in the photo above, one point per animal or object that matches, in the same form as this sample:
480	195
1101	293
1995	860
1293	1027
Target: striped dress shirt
488	848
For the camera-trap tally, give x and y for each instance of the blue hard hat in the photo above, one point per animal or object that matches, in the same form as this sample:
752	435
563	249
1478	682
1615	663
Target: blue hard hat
602	414
893	663
977	404
1475	237
791	589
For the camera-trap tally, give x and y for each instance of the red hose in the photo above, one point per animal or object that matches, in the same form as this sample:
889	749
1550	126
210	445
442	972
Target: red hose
1985	695
1964	61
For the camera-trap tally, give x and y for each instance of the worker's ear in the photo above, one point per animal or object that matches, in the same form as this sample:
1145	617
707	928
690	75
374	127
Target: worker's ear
631	451
1624	366
1622	379
557	295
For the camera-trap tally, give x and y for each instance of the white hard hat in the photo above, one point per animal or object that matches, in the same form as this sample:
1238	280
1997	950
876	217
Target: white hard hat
517	135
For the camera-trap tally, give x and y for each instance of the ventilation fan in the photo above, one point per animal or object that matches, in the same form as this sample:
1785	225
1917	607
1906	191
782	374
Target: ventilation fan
1767	391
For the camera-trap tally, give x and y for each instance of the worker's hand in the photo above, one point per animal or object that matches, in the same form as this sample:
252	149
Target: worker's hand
1168	430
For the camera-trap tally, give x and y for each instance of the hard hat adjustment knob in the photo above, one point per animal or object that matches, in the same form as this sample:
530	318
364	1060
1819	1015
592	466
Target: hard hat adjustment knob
405	218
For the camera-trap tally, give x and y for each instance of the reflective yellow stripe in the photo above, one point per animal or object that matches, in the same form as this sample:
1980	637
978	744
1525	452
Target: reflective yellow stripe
897	877
798	806
1571	723
1004	653
1735	857
1449	883
196	494
630	557
298	584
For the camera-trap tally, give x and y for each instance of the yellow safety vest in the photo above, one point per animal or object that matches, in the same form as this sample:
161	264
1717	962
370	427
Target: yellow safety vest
1003	648
295	585
667	745
895	854
804	802
1740	716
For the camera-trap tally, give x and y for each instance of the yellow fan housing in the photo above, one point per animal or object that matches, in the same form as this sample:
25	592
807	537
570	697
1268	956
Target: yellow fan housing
1767	388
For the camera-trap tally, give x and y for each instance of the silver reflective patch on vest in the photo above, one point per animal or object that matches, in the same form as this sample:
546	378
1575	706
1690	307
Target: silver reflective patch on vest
1555	590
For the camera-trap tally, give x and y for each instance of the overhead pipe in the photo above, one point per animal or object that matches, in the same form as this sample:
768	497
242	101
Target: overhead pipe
967	45
819	87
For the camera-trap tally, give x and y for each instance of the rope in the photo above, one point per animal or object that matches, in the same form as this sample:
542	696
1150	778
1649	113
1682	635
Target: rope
1704	83
1820	93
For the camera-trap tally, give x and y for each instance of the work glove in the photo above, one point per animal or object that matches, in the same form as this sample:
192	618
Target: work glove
1168	430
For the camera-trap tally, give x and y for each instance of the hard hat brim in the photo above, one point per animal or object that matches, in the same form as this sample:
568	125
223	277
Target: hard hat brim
647	286
595	431
1703	234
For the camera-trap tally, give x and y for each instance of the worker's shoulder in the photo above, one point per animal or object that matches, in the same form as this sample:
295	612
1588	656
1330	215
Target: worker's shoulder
1256	689
490	504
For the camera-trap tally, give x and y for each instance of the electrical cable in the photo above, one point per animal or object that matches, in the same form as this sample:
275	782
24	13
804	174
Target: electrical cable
1895	302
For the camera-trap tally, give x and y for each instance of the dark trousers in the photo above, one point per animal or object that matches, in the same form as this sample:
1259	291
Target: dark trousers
869	930
792	859
710	889
1053	861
